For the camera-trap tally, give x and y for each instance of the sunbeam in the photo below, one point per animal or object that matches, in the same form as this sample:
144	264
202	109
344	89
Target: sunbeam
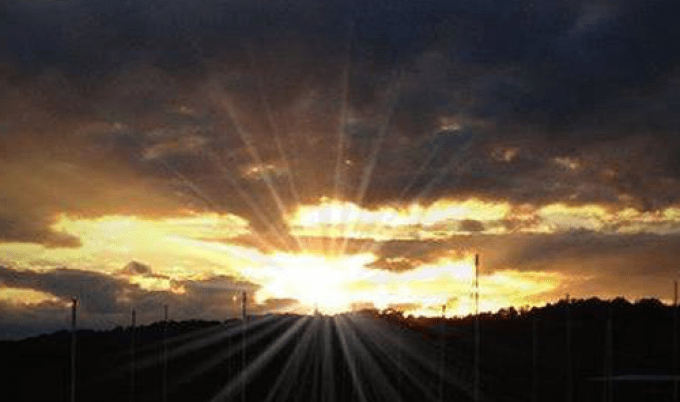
227	103
373	158
285	381
259	362
212	339
350	359
236	347
371	370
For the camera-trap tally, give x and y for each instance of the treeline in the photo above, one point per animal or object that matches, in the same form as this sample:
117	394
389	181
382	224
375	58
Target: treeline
540	353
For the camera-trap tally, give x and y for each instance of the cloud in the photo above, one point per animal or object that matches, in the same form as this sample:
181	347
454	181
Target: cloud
470	225
497	84
136	268
22	229
101	290
106	300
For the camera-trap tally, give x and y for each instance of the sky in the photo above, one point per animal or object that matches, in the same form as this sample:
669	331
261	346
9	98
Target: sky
333	155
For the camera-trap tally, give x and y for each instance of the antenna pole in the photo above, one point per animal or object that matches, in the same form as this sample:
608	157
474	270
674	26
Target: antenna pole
477	333
132	355
74	307
568	351
534	360
244	316
675	342
165	353
442	362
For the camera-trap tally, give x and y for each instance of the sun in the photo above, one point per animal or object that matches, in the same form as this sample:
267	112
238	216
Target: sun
316	281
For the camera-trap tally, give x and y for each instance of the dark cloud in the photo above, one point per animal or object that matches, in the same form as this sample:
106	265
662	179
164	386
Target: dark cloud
199	90
470	225
106	300
136	268
576	252
22	229
99	292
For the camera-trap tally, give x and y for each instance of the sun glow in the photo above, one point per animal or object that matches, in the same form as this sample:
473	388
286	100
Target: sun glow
180	249
333	212
338	284
334	218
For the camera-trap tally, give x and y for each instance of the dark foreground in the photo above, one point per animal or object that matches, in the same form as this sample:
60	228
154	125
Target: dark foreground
563	352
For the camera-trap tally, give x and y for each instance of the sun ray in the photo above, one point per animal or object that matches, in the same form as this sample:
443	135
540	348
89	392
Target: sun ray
373	158
291	369
203	342
350	359
261	360
237	347
339	184
193	336
375	336
373	370
252	150
254	205
455	159
328	362
451	377
275	130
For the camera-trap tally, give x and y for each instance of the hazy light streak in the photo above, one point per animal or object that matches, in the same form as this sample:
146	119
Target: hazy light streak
260	361
373	159
425	362
379	381
245	137
193	336
200	194
328	363
275	132
338	183
290	369
372	334
236	346
350	359
208	340
252	203
455	157
313	362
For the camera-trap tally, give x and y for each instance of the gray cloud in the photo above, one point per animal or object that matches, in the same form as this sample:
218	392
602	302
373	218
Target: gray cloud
106	300
552	80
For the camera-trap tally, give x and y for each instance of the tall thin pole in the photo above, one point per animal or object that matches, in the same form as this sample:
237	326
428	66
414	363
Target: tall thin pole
442	357
165	353
243	306
132	355
74	307
477	334
675	342
534	360
244	316
568	351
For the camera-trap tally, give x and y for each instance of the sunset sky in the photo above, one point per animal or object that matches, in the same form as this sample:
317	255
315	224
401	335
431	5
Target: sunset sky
336	153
